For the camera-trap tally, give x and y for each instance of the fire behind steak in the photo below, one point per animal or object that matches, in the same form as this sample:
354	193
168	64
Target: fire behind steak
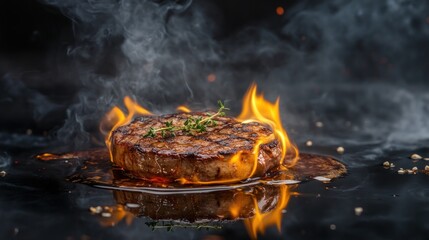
203	157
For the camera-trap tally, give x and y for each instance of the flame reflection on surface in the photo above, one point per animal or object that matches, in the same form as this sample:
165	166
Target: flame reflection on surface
259	207
263	220
111	216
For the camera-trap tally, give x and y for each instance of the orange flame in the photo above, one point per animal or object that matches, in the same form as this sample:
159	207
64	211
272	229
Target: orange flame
116	118
183	108
257	109
236	161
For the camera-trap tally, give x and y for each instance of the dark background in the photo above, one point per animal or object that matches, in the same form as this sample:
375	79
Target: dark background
33	52
59	56
360	67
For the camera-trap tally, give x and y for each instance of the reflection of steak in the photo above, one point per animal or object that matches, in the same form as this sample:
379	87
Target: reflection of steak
205	156
221	205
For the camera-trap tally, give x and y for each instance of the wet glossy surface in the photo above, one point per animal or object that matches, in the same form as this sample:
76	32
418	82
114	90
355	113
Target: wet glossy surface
38	202
102	173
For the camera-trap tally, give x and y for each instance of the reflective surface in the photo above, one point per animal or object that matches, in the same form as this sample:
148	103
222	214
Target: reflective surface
99	172
38	202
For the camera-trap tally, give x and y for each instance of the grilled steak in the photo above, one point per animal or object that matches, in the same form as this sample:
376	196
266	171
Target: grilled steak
197	156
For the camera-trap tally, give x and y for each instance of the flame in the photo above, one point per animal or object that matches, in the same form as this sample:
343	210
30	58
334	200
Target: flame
257	109
236	161
183	108
116	118
47	156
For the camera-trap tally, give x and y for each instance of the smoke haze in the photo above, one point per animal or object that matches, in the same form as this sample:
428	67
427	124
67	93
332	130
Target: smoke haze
360	67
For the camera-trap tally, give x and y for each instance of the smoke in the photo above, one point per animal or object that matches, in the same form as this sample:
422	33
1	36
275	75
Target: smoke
145	49
5	160
368	60
360	67
15	89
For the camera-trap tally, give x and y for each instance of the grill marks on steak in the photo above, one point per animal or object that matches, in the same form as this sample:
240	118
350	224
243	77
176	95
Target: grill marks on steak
184	155
227	137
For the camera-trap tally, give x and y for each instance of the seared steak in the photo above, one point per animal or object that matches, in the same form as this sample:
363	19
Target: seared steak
197	156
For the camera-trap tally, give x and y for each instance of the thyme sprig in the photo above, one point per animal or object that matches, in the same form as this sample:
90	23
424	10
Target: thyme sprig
191	124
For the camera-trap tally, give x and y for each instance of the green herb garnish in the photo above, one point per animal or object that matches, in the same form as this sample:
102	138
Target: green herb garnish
191	124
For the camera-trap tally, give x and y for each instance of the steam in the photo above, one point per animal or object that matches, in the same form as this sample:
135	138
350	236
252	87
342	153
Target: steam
358	66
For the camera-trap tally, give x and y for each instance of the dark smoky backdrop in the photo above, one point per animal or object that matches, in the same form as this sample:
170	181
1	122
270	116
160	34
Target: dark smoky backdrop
360	67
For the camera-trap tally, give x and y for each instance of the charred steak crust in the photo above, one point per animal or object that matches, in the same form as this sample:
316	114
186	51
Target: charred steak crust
204	156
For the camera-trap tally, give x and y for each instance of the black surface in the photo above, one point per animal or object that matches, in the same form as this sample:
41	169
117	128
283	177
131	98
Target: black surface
38	202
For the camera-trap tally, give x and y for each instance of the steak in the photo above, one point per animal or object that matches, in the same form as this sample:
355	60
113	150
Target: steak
195	157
